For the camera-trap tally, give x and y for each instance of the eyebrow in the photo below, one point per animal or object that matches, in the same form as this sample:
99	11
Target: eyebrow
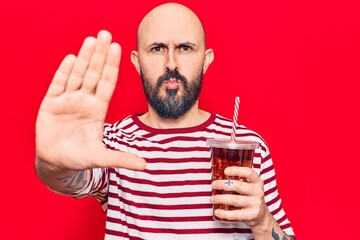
157	44
186	44
161	44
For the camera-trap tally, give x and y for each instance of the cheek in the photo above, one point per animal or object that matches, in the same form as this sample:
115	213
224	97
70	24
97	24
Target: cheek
191	67
193	74
152	68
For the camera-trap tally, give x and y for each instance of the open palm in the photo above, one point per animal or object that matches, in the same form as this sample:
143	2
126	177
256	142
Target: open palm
69	126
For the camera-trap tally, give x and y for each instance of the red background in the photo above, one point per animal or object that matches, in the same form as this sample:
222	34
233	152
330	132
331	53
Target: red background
294	64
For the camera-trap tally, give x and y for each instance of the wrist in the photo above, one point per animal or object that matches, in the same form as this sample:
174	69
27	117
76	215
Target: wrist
262	229
46	170
42	165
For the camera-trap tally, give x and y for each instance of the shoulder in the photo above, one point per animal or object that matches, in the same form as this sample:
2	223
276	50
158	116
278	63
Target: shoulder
123	124
116	135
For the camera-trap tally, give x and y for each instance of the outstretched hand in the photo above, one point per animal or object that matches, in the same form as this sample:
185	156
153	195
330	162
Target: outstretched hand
69	126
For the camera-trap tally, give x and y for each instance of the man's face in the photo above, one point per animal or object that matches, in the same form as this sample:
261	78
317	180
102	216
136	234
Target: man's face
172	95
171	55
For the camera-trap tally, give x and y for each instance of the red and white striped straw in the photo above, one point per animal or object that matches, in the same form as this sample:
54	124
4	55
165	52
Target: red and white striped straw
235	117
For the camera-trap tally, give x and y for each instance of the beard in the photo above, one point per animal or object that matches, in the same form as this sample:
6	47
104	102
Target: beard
175	102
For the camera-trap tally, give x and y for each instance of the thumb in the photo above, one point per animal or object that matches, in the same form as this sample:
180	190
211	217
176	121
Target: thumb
117	159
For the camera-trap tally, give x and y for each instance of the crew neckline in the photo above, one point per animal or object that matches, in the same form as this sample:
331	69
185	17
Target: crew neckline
205	124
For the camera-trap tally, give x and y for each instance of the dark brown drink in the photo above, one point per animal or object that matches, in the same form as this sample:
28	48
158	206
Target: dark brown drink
226	153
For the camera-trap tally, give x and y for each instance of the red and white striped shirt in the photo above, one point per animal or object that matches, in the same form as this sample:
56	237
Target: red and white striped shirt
170	199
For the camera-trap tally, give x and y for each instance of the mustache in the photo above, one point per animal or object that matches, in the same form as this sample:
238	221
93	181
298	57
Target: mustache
171	74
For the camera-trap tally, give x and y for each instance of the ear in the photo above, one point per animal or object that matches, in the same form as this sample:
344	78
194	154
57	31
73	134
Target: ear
209	57
135	60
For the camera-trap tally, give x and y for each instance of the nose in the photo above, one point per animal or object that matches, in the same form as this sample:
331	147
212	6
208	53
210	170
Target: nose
171	62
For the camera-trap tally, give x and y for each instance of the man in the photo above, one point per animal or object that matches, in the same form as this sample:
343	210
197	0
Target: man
169	196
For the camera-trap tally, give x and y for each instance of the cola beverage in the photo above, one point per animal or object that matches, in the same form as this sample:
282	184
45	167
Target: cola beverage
226	153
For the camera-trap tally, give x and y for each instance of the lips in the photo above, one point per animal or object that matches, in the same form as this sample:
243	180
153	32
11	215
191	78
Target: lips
172	83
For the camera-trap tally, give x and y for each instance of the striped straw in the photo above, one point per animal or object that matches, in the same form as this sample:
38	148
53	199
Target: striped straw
235	117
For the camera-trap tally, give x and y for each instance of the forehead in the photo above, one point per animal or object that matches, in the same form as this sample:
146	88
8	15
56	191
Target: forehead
170	24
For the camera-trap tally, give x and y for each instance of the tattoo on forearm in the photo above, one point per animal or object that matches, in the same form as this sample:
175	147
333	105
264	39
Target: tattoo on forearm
277	237
74	182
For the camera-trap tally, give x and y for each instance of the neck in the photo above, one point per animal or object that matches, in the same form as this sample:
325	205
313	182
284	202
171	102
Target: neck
191	118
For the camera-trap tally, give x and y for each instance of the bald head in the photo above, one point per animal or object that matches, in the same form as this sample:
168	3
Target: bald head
169	21
171	59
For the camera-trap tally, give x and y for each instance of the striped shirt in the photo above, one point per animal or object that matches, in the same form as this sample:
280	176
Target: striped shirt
170	199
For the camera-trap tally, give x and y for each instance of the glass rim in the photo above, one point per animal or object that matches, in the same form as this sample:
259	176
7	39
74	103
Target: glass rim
230	144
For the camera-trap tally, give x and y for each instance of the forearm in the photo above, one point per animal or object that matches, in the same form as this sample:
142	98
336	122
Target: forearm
269	229
65	181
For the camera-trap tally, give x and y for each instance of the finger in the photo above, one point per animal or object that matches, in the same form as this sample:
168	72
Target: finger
97	61
241	187
81	64
248	208
230	199
59	80
110	73
104	158
239	215
238	186
243	172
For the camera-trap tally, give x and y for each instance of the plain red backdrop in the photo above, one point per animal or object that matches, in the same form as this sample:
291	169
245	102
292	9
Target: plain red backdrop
294	64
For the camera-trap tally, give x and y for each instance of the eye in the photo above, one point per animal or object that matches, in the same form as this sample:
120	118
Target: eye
157	49
185	48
